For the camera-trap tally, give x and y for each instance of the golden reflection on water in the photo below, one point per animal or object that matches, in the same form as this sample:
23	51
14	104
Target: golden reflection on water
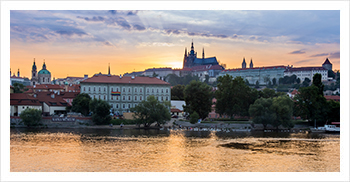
176	153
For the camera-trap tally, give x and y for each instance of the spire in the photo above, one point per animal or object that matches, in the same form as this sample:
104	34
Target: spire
44	65
203	53
34	66
18	73
251	63
244	64
185	51
109	69
10	72
192	48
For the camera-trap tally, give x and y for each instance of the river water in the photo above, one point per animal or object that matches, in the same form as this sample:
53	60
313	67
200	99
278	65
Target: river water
113	150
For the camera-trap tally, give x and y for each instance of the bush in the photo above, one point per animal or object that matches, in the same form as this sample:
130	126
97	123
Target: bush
194	117
31	117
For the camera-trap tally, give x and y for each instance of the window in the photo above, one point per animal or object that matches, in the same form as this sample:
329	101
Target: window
123	89
104	97
111	105
104	89
148	90
152	90
112	89
43	79
161	98
99	97
140	97
117	106
166	90
135	89
99	89
117	97
129	90
129	106
94	89
157	90
89	89
166	98
162	91
140	89
135	97
123	106
129	97
123	97
112	98
84	89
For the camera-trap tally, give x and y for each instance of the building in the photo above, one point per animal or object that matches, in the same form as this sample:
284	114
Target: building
307	72
333	97
254	74
190	59
21	101
18	79
68	96
52	103
123	93
327	64
45	88
42	77
203	70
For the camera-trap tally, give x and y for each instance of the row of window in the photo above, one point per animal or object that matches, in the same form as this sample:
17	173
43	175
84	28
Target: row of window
128	89
129	98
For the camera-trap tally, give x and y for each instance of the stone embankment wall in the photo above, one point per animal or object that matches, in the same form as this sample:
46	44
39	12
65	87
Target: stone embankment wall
56	122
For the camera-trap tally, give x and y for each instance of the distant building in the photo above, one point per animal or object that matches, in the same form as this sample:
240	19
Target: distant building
327	64
18	79
333	97
42	77
52	103
123	93
307	72
190	59
21	101
254	74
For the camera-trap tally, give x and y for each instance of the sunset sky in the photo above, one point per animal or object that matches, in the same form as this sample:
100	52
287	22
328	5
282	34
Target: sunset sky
78	42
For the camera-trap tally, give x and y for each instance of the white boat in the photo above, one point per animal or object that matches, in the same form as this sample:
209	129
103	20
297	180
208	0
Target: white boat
329	129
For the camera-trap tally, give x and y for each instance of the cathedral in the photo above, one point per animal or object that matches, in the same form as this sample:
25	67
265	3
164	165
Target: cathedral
191	60
42	77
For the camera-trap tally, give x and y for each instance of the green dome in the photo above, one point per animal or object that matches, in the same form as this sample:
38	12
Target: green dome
44	72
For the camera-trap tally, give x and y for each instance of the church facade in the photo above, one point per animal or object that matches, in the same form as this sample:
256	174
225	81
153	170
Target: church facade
190	59
42	77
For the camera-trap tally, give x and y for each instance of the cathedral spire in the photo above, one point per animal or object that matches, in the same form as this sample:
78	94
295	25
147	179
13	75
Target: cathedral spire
244	64
203	53
192	48
18	73
251	63
109	69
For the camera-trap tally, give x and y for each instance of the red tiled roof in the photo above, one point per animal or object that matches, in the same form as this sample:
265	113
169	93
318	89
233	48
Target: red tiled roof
48	86
125	80
268	67
46	97
175	110
23	99
69	94
305	69
332	97
295	92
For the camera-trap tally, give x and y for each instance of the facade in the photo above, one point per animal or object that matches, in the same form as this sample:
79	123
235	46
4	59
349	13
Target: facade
261	74
42	77
327	64
21	101
123	93
307	72
190	59
52	103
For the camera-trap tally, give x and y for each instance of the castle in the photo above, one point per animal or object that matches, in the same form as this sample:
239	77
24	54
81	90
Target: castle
191	60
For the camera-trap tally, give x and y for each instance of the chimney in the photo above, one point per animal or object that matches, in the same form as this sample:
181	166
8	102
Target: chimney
86	77
132	77
53	95
120	76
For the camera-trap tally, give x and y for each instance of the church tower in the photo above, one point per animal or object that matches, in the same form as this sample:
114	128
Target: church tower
251	63
18	73
184	65
244	64
203	54
34	79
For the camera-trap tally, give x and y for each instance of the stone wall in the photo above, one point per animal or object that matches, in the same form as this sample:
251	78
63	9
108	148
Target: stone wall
57	121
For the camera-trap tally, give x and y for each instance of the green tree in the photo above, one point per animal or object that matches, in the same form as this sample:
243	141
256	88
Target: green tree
150	111
206	79
198	97
311	105
19	88
331	74
234	96
81	103
282	107
100	111
317	81
177	92
31	117
306	82
298	80
274	81
261	111
333	114
267	93
257	84
194	117
154	74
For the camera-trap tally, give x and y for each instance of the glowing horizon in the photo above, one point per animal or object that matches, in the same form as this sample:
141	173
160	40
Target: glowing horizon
75	43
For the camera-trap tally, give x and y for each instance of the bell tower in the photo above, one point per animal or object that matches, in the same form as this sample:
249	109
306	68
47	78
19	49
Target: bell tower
34	79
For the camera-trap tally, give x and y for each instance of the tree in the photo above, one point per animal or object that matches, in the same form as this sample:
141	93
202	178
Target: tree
333	114
177	92
306	82
267	93
274	81
194	117
198	97
261	111
298	80
154	74
234	96
317	81
31	117
311	105
81	103
150	111
100	111
331	74
19	88
257	84
206	79
282	107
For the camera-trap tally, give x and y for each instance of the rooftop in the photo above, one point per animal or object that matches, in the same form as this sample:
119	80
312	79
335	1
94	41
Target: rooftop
256	68
124	80
305	69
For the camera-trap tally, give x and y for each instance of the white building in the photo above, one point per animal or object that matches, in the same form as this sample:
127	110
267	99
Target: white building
123	93
307	72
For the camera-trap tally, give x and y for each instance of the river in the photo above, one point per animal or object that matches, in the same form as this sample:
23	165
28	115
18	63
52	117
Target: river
132	150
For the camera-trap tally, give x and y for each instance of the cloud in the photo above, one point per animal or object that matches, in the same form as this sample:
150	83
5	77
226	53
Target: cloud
70	32
107	43
113	12
335	55
319	55
304	61
130	13
139	27
94	19
298	52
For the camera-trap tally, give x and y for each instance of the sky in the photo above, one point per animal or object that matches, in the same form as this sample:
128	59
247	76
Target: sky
79	42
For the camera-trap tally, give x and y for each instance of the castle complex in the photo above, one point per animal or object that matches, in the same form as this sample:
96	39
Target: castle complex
190	59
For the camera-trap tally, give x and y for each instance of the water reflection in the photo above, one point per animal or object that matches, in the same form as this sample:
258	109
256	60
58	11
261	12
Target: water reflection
179	151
